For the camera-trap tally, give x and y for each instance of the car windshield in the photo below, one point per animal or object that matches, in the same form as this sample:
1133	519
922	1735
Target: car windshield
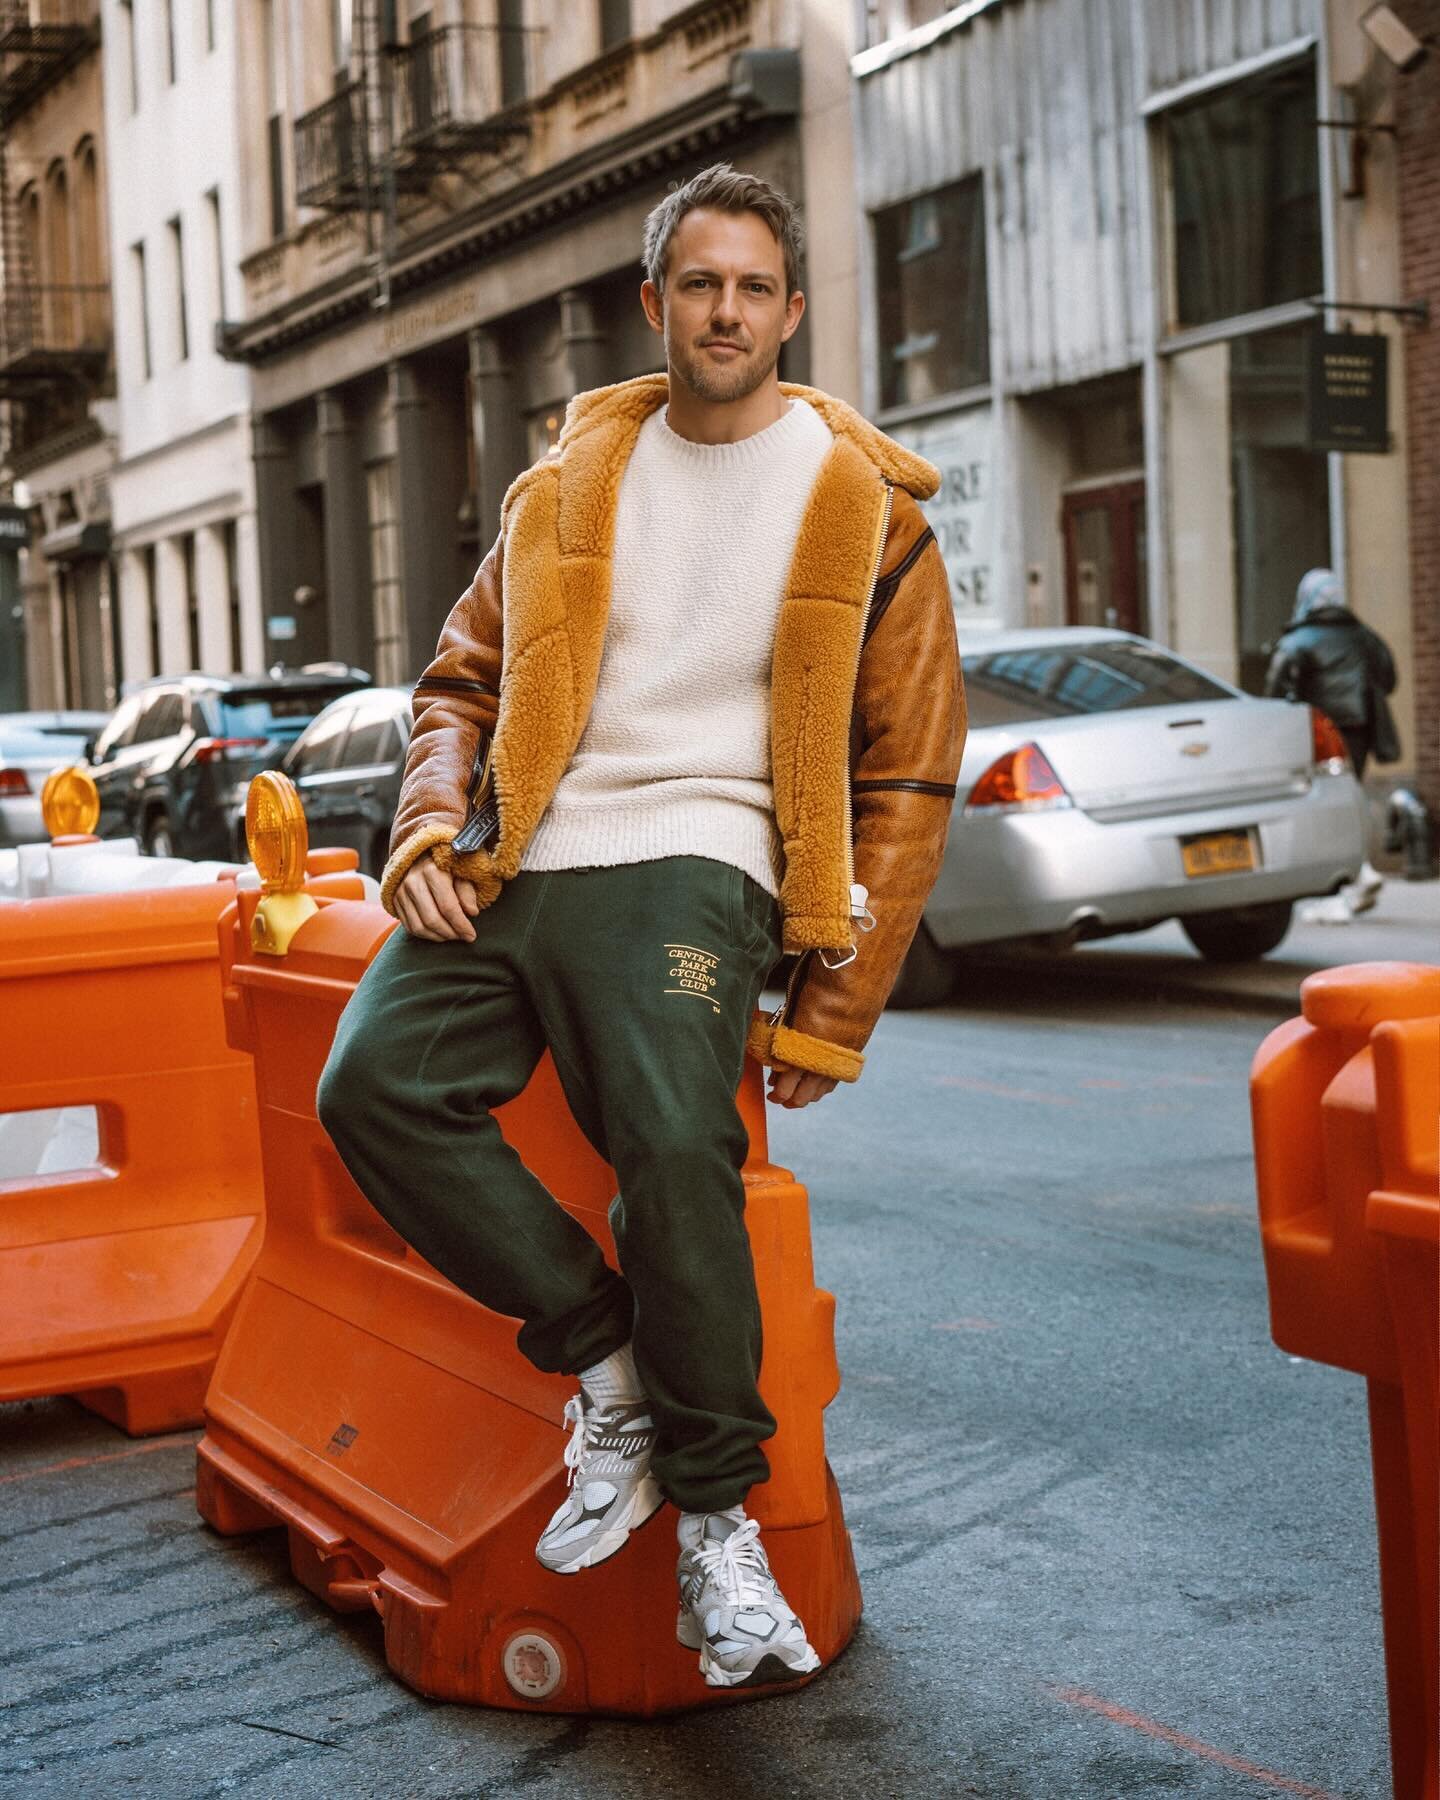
280	714
1056	681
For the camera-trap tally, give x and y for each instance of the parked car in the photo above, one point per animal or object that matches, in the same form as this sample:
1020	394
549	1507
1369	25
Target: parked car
173	755
32	745
346	766
1108	785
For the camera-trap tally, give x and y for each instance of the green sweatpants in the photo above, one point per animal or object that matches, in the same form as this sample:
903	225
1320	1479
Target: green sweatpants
641	981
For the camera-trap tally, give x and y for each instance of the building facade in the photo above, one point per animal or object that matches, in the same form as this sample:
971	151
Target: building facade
58	642
182	497
441	240
1094	235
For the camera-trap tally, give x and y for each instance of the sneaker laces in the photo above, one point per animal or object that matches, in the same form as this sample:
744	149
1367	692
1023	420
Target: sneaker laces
580	1423
737	1565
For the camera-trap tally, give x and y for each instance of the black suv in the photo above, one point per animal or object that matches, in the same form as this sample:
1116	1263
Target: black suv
176	754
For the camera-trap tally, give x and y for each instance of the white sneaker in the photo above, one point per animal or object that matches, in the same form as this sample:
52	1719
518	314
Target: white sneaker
1362	893
612	1491
731	1609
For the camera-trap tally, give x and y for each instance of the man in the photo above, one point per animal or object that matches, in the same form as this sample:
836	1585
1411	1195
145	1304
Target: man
1331	660
714	646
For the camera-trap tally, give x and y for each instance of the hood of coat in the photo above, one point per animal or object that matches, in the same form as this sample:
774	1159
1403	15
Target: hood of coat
635	400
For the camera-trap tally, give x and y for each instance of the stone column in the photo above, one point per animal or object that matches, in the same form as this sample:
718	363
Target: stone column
426	597
211	579
585	343
134	619
278	528
347	555
174	611
499	442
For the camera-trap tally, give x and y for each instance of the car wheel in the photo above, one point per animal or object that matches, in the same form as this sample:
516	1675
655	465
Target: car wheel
1241	935
926	975
159	838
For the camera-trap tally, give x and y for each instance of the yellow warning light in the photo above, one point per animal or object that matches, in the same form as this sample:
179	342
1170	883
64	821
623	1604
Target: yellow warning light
277	838
70	803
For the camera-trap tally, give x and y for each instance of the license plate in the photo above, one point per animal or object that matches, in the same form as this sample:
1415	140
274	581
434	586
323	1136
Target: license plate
1223	853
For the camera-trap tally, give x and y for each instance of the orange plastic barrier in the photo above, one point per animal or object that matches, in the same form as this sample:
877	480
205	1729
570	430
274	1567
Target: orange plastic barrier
1345	1102
117	1281
391	1424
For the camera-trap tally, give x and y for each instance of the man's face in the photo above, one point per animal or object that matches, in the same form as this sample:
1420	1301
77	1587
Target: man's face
724	311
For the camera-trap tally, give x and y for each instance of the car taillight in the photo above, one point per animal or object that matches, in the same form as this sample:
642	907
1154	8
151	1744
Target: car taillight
1021	781
13	782
1328	752
213	750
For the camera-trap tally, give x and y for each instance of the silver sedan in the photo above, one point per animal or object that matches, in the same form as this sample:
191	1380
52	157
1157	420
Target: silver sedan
31	746
1108	785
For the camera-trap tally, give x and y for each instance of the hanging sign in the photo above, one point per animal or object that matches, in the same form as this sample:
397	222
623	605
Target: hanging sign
1349	391
14	528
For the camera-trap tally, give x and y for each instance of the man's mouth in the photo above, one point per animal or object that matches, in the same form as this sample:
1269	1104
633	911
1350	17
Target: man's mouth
721	344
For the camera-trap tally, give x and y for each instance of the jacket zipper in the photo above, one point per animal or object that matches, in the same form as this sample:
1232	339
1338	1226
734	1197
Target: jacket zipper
453	684
882	539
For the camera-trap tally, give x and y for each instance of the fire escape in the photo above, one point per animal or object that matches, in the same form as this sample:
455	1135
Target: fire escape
451	100
54	335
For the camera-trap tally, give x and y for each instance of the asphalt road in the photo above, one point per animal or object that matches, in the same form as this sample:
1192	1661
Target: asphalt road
1113	1542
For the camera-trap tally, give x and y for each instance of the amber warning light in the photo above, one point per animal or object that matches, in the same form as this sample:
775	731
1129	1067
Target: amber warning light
278	841
70	803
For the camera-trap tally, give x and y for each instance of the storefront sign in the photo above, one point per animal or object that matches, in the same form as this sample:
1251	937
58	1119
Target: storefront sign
14	528
962	514
1349	391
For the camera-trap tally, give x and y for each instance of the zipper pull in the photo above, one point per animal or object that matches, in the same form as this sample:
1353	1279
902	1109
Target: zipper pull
859	906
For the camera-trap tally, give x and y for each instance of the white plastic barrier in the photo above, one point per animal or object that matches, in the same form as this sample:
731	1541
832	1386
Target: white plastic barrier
114	866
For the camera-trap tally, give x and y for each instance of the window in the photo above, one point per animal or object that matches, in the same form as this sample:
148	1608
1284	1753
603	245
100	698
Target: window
169	10
342	27
886	19
373	739
121	729
209	24
164	717
217	250
142	301
387	595
1056	681
934	318
274	75
127	28
513	84
1245	176
615	25
319	750
177	253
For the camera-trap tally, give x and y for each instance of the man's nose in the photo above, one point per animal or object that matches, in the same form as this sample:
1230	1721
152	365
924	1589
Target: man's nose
727	304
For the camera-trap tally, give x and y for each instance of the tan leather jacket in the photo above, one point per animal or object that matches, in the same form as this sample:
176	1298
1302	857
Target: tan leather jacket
867	703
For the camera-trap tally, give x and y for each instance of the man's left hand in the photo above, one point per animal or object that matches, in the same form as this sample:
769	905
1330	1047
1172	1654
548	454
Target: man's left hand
795	1087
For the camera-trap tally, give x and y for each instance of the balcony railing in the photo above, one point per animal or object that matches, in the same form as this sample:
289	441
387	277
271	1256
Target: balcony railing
460	88
48	332
39	42
330	167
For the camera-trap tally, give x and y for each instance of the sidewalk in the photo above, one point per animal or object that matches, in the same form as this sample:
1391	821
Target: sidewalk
1404	926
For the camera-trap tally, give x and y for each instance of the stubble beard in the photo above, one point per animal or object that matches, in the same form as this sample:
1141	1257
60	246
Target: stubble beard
719	386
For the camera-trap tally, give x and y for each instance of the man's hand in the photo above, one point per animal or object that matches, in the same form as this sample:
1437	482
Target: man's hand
795	1087
434	904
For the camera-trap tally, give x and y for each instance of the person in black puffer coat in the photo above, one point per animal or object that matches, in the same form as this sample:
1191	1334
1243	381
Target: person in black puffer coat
1328	659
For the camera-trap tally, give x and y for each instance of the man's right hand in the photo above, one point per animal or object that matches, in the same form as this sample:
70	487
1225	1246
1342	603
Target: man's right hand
433	904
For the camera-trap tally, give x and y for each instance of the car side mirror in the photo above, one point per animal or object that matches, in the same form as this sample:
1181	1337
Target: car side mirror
88	753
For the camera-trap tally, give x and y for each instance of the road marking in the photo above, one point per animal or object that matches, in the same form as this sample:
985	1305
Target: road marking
1121	1715
88	1462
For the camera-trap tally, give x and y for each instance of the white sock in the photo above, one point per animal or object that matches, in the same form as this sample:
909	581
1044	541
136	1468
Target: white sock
691	1527
615	1381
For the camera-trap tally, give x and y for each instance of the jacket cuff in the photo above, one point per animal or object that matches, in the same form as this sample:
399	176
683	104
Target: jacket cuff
424	838
772	1044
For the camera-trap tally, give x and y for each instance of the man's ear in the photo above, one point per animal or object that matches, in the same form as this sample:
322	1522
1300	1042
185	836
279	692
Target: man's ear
794	313
654	305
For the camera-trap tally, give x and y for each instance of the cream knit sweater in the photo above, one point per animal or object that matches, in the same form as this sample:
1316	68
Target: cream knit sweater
675	757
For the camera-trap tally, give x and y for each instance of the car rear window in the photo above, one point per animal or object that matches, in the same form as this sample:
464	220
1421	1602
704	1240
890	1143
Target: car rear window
281	715
1056	681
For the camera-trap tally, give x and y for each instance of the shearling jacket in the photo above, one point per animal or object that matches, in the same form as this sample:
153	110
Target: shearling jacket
867	703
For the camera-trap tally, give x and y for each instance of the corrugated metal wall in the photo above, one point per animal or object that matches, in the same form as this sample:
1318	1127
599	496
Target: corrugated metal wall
1043	95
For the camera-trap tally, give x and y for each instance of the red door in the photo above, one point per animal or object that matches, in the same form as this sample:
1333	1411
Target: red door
1104	529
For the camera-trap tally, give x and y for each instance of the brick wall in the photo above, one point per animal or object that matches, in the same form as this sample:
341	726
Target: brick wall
1418	118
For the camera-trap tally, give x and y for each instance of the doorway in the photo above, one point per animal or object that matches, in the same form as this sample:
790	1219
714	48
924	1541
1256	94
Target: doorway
1103	527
